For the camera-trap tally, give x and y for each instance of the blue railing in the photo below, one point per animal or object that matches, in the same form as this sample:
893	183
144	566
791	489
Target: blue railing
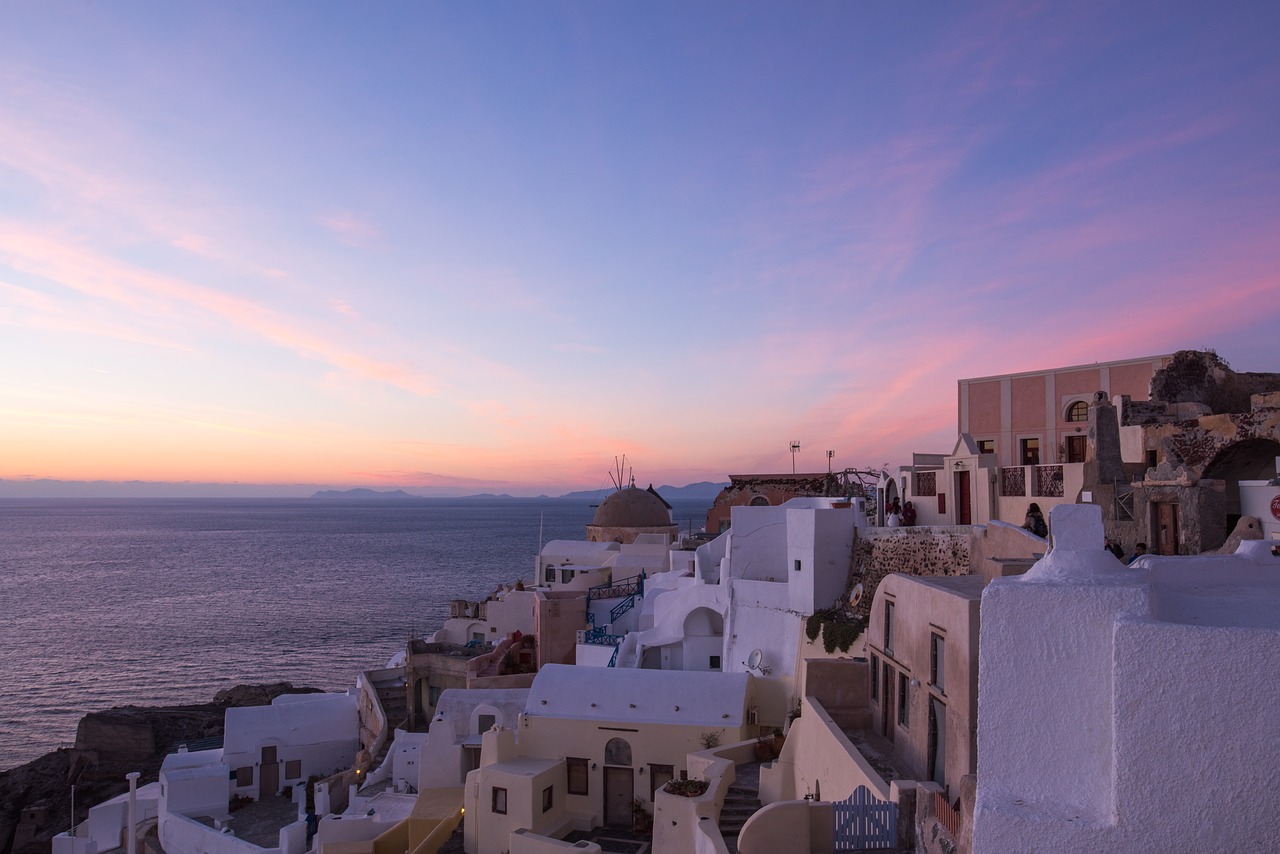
633	586
600	637
621	608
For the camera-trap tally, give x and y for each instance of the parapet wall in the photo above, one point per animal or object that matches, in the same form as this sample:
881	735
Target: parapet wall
926	550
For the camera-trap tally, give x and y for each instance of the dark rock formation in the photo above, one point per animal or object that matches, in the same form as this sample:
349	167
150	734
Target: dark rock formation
35	799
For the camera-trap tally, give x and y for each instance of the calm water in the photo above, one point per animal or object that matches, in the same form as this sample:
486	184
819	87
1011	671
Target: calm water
106	603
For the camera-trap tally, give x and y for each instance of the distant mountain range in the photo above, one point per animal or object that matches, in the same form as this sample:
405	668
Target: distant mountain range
703	491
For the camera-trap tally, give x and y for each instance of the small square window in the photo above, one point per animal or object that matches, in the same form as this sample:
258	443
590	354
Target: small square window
797	566
986	446
499	801
244	776
714	662
548	798
293	769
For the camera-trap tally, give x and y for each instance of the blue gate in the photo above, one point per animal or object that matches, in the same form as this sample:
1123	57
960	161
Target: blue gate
865	821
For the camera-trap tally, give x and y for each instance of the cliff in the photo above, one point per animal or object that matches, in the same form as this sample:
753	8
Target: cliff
35	799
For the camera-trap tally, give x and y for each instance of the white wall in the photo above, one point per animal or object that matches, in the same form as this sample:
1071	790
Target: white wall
1122	710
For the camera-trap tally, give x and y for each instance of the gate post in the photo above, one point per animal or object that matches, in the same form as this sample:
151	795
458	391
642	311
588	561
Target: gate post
903	793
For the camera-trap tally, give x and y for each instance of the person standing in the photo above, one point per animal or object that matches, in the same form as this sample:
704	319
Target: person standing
908	514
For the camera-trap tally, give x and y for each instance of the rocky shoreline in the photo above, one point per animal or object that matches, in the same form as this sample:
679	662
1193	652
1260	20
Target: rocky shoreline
35	798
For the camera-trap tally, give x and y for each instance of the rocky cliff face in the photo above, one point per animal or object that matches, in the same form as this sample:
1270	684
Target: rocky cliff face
35	799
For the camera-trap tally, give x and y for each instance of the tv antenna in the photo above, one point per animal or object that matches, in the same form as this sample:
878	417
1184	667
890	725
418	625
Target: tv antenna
795	446
830	454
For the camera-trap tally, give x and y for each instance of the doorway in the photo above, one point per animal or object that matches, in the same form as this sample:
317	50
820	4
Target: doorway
1166	524
269	772
964	516
887	721
937	742
619	791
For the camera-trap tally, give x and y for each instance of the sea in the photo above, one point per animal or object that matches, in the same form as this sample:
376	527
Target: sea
166	601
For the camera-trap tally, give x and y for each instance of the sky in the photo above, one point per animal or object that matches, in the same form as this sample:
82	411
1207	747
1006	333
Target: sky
488	247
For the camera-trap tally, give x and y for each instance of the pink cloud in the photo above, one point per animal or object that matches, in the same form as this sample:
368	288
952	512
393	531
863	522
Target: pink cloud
151	294
351	229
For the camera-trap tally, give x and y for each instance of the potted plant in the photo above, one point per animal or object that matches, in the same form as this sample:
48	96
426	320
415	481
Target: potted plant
764	748
686	788
641	820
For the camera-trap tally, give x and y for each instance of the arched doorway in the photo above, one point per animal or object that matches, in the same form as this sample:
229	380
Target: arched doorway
619	783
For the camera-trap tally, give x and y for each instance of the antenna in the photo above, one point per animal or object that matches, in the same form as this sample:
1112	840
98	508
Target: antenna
830	454
795	446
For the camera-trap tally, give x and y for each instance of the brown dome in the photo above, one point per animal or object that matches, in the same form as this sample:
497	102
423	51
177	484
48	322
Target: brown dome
632	508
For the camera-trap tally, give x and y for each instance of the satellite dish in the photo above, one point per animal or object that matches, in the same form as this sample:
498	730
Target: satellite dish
856	596
753	660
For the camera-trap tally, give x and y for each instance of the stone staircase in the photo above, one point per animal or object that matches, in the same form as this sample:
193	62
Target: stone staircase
395	705
739	805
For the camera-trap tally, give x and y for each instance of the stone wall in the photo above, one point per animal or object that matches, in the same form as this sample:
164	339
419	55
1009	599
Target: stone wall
926	550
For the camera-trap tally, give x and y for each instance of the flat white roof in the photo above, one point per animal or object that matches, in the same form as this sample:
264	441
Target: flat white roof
684	697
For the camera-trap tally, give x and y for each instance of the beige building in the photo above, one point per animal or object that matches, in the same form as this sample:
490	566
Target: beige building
922	652
593	741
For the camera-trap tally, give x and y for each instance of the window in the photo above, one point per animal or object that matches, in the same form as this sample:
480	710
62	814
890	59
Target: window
551	574
433	695
1030	452
942	502
548	798
1078	411
714	662
797	566
926	483
244	776
902	700
986	446
499	801
485	723
888	627
1075	449
875	678
566	575
578	777
293	769
937	663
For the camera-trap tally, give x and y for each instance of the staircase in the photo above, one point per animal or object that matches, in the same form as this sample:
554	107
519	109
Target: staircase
395	705
739	805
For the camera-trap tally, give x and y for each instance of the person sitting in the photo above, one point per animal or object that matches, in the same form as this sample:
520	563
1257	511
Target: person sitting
1035	521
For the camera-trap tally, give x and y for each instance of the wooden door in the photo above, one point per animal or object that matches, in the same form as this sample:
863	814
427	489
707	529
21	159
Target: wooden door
1166	528
964	515
268	773
1076	449
658	777
619	791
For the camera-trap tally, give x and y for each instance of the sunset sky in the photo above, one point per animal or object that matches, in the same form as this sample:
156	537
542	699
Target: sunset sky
490	246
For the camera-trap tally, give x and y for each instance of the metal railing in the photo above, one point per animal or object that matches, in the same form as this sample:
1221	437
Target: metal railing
1013	481
948	817
633	586
1048	481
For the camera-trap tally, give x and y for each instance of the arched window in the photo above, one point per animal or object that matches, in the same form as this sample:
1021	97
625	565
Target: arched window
617	752
759	501
1078	411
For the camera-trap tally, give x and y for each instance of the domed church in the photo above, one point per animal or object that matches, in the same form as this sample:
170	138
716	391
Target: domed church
629	512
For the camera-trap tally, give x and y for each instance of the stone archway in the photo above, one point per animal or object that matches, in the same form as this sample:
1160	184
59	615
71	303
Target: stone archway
1249	459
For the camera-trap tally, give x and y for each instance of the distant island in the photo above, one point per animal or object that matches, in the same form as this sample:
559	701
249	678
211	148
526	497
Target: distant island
363	494
703	491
